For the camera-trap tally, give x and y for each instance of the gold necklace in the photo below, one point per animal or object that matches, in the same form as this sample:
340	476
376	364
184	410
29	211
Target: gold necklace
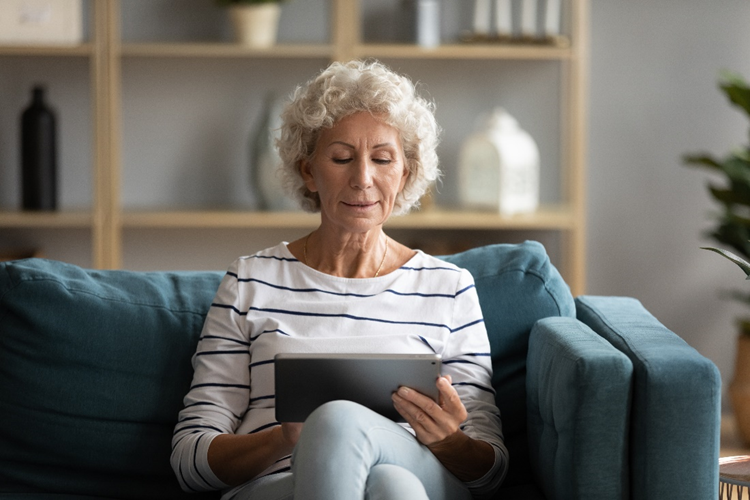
380	267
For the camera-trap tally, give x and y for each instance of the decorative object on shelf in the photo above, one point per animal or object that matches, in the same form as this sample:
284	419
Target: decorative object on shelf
422	22
255	22
552	19
38	154
504	19
527	29
499	167
733	230
41	22
528	19
266	161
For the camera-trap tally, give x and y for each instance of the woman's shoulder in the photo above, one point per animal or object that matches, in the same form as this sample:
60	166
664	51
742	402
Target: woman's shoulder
425	261
272	256
427	266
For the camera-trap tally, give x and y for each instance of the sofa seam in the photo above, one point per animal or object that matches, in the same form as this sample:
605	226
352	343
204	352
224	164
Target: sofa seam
533	272
99	296
646	430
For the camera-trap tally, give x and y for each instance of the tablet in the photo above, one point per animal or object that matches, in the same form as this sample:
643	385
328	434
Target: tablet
306	381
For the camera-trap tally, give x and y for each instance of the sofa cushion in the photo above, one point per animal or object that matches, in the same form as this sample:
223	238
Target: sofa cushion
93	369
517	285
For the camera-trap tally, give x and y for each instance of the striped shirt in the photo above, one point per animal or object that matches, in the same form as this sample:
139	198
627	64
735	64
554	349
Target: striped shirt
270	303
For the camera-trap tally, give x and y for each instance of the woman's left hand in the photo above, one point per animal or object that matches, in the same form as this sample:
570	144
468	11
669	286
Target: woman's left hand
437	426
433	423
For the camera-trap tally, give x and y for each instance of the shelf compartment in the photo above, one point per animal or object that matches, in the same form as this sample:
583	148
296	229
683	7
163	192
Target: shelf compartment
225	50
550	217
82	50
464	51
64	219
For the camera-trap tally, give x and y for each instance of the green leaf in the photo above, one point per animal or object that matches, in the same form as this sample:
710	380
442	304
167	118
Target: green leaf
737	90
702	160
742	263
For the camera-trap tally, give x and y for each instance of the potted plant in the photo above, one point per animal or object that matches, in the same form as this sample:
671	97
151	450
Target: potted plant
255	22
732	230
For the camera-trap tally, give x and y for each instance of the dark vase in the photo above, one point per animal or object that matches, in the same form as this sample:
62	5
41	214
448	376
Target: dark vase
38	155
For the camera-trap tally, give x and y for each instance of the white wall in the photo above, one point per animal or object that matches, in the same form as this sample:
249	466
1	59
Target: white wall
654	68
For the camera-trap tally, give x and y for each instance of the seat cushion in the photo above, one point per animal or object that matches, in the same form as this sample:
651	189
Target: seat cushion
517	286
93	369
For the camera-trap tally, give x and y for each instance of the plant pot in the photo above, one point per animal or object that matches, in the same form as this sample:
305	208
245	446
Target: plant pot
739	387
255	25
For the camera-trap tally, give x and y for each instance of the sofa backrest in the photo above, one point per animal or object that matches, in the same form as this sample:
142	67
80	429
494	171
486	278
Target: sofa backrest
93	369
517	285
94	366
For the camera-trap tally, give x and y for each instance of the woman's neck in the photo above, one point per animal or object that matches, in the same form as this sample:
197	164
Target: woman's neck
348	255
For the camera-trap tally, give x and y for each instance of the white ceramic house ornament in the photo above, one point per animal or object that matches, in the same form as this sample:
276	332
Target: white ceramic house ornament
499	167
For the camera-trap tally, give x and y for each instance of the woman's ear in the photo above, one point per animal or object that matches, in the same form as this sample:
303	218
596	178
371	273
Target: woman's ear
305	170
404	178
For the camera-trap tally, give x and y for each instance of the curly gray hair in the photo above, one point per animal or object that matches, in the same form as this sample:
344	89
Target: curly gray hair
343	89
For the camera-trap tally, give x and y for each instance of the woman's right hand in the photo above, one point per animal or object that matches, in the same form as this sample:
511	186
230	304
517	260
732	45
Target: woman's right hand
237	458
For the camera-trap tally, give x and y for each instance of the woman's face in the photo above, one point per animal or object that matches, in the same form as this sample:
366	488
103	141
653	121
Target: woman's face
358	169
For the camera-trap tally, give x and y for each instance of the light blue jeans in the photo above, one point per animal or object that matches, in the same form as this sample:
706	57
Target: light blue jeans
346	452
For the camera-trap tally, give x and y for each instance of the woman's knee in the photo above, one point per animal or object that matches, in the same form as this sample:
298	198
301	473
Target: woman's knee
337	416
391	482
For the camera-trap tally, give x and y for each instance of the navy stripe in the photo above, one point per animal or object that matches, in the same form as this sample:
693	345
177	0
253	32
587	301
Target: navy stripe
225	306
464	290
340	294
253	400
352	317
209	403
184	481
211	353
460	361
427	343
253	339
188	418
478	354
195	462
283	259
429	269
283	458
467	325
285	469
238	386
196	427
264	427
267	362
224	338
487	389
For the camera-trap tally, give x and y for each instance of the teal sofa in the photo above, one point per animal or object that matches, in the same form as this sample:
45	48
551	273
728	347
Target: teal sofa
599	400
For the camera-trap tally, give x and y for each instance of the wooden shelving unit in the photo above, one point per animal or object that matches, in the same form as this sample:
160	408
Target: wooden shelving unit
106	53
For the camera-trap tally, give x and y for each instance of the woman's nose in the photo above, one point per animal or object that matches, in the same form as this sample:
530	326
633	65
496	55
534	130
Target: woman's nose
361	173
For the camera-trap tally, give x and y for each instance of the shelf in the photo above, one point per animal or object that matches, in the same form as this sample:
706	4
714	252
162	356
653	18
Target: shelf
108	54
68	220
464	51
206	219
545	218
218	49
82	50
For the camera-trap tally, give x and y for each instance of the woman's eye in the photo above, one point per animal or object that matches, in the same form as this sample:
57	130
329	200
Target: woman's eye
382	161
341	161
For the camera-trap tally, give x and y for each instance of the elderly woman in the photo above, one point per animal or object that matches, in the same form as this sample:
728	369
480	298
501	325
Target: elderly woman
357	145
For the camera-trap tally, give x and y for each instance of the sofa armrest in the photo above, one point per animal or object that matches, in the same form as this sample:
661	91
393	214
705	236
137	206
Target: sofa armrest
676	406
578	392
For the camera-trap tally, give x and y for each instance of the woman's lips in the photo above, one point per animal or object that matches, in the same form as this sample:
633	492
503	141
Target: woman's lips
360	204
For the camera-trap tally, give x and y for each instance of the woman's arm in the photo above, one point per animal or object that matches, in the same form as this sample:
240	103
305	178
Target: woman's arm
236	458
437	425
